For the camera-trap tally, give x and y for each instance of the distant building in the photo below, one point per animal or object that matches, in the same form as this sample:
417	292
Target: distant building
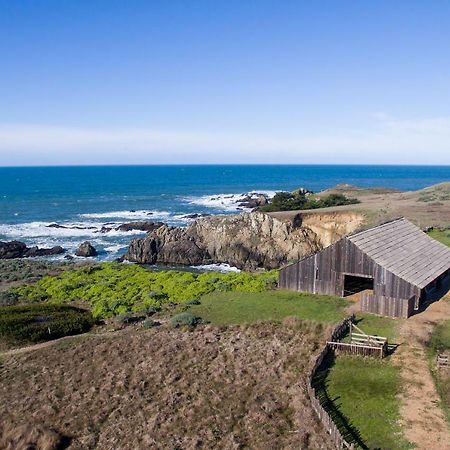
397	268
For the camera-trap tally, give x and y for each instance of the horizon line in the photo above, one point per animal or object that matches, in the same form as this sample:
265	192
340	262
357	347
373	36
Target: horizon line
220	164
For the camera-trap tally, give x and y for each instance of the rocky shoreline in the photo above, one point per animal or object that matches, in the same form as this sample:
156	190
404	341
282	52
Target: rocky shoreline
17	249
248	241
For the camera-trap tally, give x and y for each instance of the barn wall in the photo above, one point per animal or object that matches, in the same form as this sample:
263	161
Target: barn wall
387	306
323	273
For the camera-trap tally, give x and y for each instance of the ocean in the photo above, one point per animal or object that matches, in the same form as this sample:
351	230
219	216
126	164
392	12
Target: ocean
85	199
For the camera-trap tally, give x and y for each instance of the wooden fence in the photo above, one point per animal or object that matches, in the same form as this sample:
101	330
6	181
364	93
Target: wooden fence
357	349
443	361
360	344
323	415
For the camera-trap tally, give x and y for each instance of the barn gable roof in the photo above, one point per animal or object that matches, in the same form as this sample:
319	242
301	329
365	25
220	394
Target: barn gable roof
405	250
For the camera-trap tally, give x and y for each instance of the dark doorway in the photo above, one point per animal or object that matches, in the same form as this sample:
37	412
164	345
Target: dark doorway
354	284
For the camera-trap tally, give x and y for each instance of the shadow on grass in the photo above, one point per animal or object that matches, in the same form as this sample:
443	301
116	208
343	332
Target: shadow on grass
349	432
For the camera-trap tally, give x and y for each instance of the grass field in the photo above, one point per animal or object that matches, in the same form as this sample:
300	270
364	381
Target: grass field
365	391
208	388
440	342
441	236
225	308
378	325
361	393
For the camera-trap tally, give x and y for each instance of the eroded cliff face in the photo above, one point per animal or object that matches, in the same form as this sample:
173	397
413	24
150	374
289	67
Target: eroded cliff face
248	240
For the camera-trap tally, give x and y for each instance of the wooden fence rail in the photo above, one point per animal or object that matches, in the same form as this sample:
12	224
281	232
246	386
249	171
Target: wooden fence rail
357	349
443	361
322	414
360	344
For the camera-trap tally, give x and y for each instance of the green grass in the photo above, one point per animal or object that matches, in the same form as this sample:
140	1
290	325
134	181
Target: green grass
379	325
111	288
42	322
440	342
365	392
441	236
225	308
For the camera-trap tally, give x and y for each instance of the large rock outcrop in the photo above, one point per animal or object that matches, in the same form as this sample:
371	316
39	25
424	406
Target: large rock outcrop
86	250
248	240
17	249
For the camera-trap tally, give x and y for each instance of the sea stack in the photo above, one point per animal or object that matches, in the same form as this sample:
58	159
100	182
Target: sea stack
86	250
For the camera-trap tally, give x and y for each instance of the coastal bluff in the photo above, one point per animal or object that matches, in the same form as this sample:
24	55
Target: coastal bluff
249	241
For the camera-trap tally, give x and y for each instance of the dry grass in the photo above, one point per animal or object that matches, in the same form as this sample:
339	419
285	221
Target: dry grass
380	205
224	388
30	437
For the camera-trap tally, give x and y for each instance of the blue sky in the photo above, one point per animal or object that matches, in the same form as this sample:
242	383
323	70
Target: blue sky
110	82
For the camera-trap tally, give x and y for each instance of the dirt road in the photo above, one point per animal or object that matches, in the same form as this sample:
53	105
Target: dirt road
423	419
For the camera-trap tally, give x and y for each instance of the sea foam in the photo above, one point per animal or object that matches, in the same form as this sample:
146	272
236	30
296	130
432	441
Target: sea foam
225	202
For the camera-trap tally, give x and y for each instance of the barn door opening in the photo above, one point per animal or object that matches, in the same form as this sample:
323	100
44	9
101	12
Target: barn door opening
354	284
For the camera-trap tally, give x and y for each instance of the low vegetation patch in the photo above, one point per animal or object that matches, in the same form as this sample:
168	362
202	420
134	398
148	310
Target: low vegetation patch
302	199
379	326
224	308
441	235
111	288
42	322
364	397
440	192
440	343
28	270
185	319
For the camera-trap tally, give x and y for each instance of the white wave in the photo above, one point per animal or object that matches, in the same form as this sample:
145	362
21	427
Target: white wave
114	248
66	230
140	214
226	202
224	268
41	229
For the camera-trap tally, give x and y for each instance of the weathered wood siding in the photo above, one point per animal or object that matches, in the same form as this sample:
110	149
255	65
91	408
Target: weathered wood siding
324	273
387	306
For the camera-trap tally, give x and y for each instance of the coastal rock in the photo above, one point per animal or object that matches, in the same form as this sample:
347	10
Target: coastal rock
75	227
248	240
86	250
17	249
144	225
36	251
194	216
139	226
168	245
253	200
13	249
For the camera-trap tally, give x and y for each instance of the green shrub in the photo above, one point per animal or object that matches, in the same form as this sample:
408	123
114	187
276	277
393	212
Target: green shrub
185	319
123	319
301	199
111	288
8	298
42	322
150	310
194	301
28	269
149	323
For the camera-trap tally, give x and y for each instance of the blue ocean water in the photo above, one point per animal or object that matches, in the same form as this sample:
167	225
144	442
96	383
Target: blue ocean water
91	197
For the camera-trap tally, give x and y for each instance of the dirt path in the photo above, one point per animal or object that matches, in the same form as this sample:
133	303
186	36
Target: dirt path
423	420
31	348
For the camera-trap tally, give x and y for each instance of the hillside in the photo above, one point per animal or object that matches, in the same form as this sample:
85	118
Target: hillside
223	388
429	207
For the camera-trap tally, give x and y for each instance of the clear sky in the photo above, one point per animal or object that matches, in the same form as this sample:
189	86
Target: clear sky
110	82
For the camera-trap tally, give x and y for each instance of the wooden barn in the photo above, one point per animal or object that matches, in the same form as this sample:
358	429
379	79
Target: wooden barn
397	268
